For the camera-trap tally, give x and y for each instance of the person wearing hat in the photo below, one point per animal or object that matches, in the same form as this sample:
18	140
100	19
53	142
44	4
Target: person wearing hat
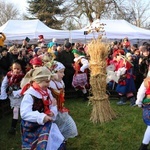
53	50
66	57
80	78
38	112
37	52
36	62
64	121
125	86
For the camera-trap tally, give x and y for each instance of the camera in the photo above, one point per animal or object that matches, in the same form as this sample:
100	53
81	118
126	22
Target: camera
85	32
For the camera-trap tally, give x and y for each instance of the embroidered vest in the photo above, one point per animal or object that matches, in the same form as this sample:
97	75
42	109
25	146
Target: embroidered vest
37	104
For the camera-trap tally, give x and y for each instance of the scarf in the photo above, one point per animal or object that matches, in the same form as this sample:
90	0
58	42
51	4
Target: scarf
44	93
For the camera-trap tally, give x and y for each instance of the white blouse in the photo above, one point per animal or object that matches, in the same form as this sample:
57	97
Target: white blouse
26	111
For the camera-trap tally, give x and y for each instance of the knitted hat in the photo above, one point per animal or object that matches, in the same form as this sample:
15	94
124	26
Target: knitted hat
51	44
37	74
36	61
36	49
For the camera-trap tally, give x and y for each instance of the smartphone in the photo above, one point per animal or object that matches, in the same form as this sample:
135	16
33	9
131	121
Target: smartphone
27	39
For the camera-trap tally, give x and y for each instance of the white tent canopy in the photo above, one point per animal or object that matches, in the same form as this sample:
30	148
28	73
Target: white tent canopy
114	29
19	29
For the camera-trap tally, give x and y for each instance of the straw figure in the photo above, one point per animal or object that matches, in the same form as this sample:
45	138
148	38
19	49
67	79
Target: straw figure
102	112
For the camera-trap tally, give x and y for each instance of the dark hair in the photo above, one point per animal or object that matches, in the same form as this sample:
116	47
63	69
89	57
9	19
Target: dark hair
3	49
115	42
68	45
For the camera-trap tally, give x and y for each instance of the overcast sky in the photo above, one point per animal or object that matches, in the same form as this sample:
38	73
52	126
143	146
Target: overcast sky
20	4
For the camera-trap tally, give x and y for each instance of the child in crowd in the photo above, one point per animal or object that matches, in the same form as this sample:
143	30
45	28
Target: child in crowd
126	86
36	62
38	111
143	100
80	78
9	88
64	121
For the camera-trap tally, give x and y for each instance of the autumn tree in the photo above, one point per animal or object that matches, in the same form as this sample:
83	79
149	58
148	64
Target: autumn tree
7	12
133	11
87	10
136	11
48	11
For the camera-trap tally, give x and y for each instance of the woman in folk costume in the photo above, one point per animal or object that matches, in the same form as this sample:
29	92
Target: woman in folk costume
38	112
64	121
80	78
10	88
126	86
143	100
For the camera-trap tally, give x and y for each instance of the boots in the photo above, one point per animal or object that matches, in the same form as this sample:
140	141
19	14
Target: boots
122	100
85	96
143	147
12	130
132	101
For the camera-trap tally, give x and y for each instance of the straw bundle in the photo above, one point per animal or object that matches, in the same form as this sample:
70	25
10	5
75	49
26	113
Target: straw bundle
102	112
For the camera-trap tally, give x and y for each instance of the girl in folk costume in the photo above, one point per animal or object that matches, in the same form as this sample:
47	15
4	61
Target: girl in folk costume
10	88
126	86
64	121
38	112
143	100
80	78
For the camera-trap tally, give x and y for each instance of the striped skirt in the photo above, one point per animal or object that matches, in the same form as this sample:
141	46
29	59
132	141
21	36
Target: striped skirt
34	136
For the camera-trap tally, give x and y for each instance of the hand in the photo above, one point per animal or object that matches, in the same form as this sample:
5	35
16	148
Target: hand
139	104
51	114
54	102
140	60
47	118
81	69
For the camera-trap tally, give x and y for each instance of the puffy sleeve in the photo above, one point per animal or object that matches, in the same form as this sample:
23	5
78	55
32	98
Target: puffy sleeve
27	113
85	64
4	86
53	108
140	94
52	85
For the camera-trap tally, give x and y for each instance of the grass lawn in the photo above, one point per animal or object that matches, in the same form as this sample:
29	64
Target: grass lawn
124	133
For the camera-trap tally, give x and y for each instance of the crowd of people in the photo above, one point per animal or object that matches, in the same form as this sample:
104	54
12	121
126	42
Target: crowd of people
35	78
